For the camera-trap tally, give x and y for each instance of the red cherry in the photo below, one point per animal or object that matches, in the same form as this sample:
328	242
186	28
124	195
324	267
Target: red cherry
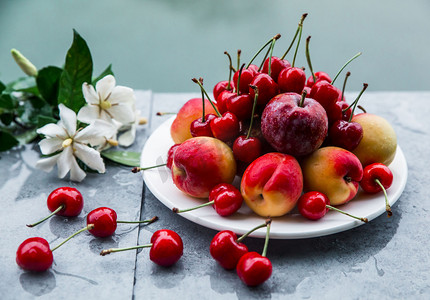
247	149
320	76
63	201
226	198
346	134
34	254
221	87
344	105
245	79
226	127
373	172
222	100
225	249
170	155
325	93
276	67
292	80
200	128
167	247
240	106
103	220
254	269
267	88
313	205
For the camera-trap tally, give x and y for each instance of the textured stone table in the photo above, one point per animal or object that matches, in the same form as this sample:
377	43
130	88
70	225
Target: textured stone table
384	259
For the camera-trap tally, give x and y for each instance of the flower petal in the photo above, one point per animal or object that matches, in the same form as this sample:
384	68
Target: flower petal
76	173
122	94
123	113
53	130
90	94
64	162
47	164
96	133
68	119
89	113
90	157
50	145
105	86
128	137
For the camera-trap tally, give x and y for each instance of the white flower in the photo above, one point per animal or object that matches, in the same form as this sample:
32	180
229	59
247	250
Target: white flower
128	132
107	102
71	144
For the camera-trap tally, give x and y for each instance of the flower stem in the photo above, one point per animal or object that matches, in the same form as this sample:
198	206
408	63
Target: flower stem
387	204
61	207
112	250
88	227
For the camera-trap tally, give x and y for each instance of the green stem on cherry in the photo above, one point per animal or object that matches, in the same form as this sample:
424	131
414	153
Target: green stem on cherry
362	108
344	66
162	113
344	84
112	250
178	211
203	100
238	58
264	59
241	238
152	220
266	241
253	109
61	207
308	58
295	36
365	85
230	67
298	44
365	220
138	169
387	204
238	79
269	72
207	96
276	37
88	227
302	100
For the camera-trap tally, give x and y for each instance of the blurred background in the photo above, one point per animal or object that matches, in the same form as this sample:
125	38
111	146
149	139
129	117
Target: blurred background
161	44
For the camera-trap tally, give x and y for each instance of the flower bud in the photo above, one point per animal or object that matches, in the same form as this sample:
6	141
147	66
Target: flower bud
26	66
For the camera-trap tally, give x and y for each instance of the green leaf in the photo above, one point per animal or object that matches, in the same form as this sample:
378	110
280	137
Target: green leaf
6	101
27	136
126	158
43	120
107	71
6	118
2	87
7	141
23	84
48	80
77	70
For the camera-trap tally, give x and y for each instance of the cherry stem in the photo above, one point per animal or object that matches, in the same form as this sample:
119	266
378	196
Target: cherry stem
253	110
308	58
276	37
295	36
238	58
344	66
302	100
138	169
112	250
207	96
203	100
344	84
230	67
387	204
178	211
365	220
61	207
162	113
88	227
270	57
362	108
298	44
264	59
238	79
152	220
365	85
241	238
266	241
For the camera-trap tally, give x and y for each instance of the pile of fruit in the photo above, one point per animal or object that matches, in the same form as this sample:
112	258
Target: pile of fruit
295	141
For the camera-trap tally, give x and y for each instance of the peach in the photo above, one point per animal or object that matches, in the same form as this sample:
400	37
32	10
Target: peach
333	171
379	142
191	110
201	163
272	184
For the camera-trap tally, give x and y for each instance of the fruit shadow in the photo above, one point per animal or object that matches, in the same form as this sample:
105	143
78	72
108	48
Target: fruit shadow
38	284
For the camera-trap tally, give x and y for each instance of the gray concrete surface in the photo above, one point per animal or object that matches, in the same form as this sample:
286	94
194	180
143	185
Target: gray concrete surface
385	259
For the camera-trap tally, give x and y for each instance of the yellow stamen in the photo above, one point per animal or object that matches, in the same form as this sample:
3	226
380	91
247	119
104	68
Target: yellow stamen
112	142
143	121
67	143
105	105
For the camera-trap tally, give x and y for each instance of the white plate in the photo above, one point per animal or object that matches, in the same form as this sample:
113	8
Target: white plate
291	226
